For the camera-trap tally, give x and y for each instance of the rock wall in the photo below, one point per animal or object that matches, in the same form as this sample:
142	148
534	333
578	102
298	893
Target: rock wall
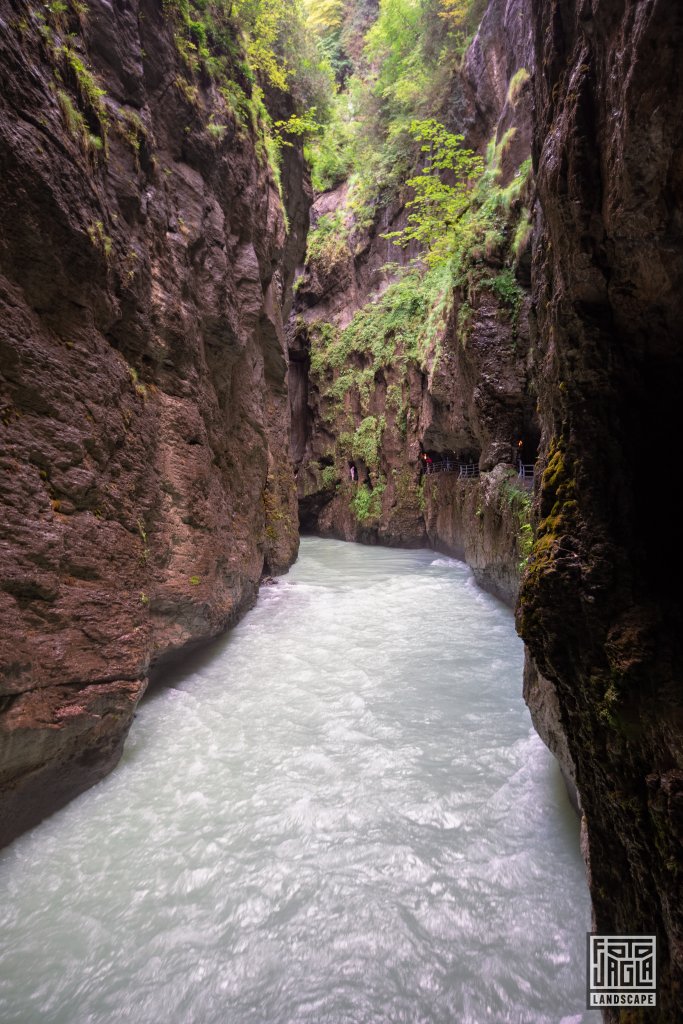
146	394
145	467
467	392
600	606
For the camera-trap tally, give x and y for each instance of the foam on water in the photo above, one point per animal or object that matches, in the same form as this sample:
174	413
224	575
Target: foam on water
340	816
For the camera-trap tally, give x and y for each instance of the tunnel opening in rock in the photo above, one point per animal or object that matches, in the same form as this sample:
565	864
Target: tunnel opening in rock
449	458
527	445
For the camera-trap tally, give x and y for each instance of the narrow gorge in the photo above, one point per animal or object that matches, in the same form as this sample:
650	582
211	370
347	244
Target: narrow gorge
406	273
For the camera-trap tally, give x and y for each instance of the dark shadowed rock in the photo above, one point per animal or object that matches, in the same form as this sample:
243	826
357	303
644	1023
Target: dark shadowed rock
600	606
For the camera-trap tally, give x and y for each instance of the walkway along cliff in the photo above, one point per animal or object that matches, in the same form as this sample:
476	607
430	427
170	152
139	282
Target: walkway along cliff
397	365
181	369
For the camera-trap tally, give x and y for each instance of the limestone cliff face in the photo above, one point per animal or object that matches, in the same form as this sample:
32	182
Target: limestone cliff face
600	605
146	476
460	387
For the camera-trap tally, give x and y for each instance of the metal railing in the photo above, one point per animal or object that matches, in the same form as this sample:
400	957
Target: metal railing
464	470
441	466
526	473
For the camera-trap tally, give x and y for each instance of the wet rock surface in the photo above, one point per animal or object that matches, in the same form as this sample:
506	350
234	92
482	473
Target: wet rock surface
146	394
145	468
469	395
600	606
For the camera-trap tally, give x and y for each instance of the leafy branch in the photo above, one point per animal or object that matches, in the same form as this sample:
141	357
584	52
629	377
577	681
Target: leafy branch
437	206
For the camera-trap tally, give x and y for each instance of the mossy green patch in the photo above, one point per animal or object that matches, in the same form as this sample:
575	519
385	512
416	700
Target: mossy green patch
366	503
328	242
329	477
519	501
559	510
408	489
400	327
366	442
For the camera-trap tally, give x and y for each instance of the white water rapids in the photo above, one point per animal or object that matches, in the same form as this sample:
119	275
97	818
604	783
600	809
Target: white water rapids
339	815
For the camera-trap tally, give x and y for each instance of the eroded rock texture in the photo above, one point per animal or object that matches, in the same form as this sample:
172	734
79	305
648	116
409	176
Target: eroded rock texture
145	471
600	607
469	394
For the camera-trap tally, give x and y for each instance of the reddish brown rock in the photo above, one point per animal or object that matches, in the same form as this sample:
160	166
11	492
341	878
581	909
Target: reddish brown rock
146	477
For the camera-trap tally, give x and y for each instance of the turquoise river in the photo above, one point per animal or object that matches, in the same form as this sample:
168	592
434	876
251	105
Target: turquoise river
340	814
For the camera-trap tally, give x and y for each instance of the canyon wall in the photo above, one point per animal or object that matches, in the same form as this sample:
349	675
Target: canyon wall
389	371
145	467
600	606
586	372
153	414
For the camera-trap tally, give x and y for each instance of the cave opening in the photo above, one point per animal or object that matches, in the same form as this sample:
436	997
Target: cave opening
527	443
449	460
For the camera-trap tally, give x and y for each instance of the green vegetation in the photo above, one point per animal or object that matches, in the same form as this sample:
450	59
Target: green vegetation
329	477
216	131
277	518
367	441
89	91
437	208
558	511
468	215
520	502
468	227
608	707
522	235
393	71
140	388
516	86
366	503
234	53
461	18
207	37
129	125
142	532
99	238
327	243
248	47
77	124
401	326
85	114
504	285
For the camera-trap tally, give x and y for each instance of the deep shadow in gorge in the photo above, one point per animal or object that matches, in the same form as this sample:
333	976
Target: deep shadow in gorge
600	606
